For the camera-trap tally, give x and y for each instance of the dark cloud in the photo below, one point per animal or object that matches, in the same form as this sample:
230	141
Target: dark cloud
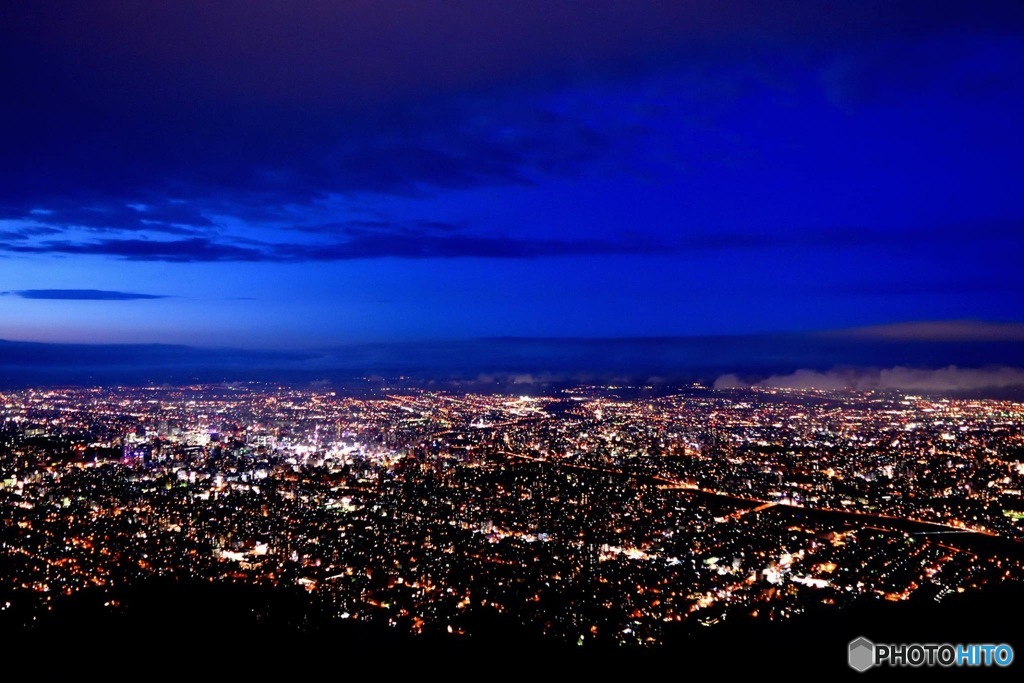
166	217
368	239
435	239
174	251
864	237
399	242
24	232
370	227
258	103
82	294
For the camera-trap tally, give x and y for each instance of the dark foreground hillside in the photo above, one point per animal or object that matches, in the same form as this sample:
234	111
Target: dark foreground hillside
161	627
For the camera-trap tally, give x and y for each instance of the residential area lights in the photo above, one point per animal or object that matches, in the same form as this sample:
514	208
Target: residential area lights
601	513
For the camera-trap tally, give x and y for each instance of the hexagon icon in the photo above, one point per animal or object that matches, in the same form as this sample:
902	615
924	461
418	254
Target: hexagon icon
862	654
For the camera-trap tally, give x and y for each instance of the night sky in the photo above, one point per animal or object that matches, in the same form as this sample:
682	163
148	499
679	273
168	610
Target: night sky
297	176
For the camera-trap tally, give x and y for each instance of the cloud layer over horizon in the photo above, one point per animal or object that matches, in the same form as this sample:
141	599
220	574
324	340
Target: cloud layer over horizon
927	380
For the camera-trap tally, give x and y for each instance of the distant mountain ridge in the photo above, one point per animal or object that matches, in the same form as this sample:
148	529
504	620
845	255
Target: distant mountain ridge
523	360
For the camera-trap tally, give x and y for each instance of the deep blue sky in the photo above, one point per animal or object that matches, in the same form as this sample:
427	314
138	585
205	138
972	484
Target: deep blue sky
278	175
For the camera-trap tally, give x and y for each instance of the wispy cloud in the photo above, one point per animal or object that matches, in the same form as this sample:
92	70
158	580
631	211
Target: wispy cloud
351	241
81	294
196	239
199	249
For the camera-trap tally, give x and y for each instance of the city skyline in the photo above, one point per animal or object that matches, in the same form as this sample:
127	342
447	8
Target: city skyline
684	335
298	178
602	523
